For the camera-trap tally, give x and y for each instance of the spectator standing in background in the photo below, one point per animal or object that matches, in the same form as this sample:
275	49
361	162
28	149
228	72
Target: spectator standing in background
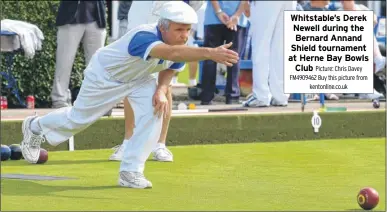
143	12
147	12
122	15
197	34
224	22
77	21
199	27
139	14
319	6
379	59
267	52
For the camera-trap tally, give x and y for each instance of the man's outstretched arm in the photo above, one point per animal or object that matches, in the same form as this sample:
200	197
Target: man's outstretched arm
183	53
147	44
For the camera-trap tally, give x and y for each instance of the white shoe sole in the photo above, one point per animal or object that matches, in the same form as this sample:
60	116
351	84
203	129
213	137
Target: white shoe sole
124	183
163	160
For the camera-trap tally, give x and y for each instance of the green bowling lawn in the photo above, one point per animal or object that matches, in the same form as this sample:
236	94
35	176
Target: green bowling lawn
298	175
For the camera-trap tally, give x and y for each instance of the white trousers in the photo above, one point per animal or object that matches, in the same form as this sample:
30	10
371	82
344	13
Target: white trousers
68	38
98	94
267	23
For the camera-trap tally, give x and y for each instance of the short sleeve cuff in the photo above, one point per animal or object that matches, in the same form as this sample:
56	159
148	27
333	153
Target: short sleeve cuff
150	47
178	67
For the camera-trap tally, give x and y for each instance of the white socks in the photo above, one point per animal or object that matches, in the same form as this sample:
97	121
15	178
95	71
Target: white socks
192	82
174	80
125	140
160	145
35	127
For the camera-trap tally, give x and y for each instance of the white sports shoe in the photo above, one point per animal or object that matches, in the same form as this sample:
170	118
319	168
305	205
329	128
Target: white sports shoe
30	146
274	102
163	155
133	180
252	101
160	154
117	155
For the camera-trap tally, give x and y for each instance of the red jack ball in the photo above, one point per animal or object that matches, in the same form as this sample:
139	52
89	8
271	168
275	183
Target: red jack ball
368	198
43	157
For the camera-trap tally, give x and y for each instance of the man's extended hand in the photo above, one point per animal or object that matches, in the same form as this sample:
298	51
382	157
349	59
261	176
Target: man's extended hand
160	103
223	55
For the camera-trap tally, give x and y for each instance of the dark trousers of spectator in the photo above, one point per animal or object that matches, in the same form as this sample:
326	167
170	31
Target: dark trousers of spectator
214	36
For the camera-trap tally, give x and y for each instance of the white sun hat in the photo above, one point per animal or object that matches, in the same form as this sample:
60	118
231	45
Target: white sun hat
179	12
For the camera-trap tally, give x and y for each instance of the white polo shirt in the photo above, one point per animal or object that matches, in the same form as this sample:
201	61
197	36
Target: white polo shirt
128	59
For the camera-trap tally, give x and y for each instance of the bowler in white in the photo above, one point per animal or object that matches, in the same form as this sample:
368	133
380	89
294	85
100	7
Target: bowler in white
123	69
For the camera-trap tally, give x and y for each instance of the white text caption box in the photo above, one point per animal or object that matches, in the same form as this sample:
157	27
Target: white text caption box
328	51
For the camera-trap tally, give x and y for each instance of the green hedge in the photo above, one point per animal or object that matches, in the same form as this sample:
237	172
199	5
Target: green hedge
108	132
35	76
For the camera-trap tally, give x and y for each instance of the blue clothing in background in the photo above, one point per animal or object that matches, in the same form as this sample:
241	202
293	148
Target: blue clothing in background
228	7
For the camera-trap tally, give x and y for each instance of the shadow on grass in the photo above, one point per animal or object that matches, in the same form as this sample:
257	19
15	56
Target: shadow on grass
14	187
54	162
